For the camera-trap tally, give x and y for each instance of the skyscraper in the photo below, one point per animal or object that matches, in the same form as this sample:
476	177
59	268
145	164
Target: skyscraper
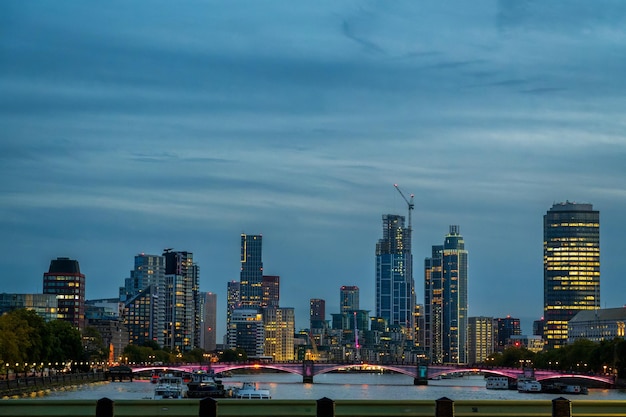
251	275
233	299
65	281
480	339
349	298
395	289
317	312
182	301
505	328
445	300
571	266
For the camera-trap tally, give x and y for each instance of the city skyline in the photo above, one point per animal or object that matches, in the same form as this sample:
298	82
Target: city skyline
132	127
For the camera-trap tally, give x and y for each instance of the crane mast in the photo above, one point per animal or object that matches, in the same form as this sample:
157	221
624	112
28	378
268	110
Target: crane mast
410	203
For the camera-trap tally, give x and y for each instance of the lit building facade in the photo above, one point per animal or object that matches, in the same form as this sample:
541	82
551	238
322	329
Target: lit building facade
233	299
598	325
45	305
182	302
279	326
446	301
349	298
251	275
480	339
140	317
65	280
571	266
246	331
395	289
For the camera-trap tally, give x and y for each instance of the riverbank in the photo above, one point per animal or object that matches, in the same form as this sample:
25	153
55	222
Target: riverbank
41	385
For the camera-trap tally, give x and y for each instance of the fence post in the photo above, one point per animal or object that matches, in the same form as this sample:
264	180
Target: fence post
444	407
104	407
325	407
561	407
208	407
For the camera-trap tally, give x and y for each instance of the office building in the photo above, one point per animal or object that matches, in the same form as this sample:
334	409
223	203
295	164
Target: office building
571	266
395	290
246	331
65	280
317	312
45	305
480	339
270	288
140	317
445	300
598	325
349	298
505	328
279	326
251	275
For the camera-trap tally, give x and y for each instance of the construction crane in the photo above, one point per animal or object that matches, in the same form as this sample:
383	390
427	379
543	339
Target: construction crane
409	202
315	354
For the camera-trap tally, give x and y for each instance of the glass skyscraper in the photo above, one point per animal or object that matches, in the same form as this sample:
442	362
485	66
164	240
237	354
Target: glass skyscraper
251	275
395	289
571	266
445	300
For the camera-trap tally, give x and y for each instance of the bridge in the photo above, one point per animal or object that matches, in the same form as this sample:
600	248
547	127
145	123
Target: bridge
420	373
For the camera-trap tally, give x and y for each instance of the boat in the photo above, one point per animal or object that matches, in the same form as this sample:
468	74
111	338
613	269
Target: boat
204	384
559	388
170	386
249	390
497	382
528	385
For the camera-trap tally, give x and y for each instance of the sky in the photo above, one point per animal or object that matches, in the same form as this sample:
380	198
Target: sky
130	127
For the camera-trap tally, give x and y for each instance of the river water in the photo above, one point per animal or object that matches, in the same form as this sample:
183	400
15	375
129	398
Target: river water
338	386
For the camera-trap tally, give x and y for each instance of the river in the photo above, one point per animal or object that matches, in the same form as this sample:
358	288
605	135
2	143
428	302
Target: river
337	386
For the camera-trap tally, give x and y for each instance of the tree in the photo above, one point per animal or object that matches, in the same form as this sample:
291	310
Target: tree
233	355
65	342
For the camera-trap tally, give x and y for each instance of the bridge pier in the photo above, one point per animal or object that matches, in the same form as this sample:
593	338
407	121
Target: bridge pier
422	374
307	372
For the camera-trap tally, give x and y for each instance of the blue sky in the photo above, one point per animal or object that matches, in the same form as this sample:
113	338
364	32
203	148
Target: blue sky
129	127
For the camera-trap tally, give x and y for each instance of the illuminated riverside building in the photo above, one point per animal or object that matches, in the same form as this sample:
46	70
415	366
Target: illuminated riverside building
279	326
45	305
571	266
480	339
445	300
65	280
505	328
209	321
598	325
246	331
270	288
395	288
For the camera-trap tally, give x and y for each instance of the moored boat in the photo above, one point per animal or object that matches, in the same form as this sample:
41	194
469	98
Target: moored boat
204	384
170	386
497	382
249	390
528	385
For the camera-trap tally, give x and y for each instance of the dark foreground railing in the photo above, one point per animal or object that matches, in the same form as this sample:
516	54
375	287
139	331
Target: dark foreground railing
17	386
324	407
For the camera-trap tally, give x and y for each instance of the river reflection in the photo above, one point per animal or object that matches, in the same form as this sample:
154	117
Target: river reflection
339	386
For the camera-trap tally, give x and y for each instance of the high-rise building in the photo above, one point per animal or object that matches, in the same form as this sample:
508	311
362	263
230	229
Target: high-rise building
505	328
445	300
349	298
270	287
65	280
395	289
233	299
279	327
148	274
209	321
480	339
251	275
246	331
182	301
571	266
